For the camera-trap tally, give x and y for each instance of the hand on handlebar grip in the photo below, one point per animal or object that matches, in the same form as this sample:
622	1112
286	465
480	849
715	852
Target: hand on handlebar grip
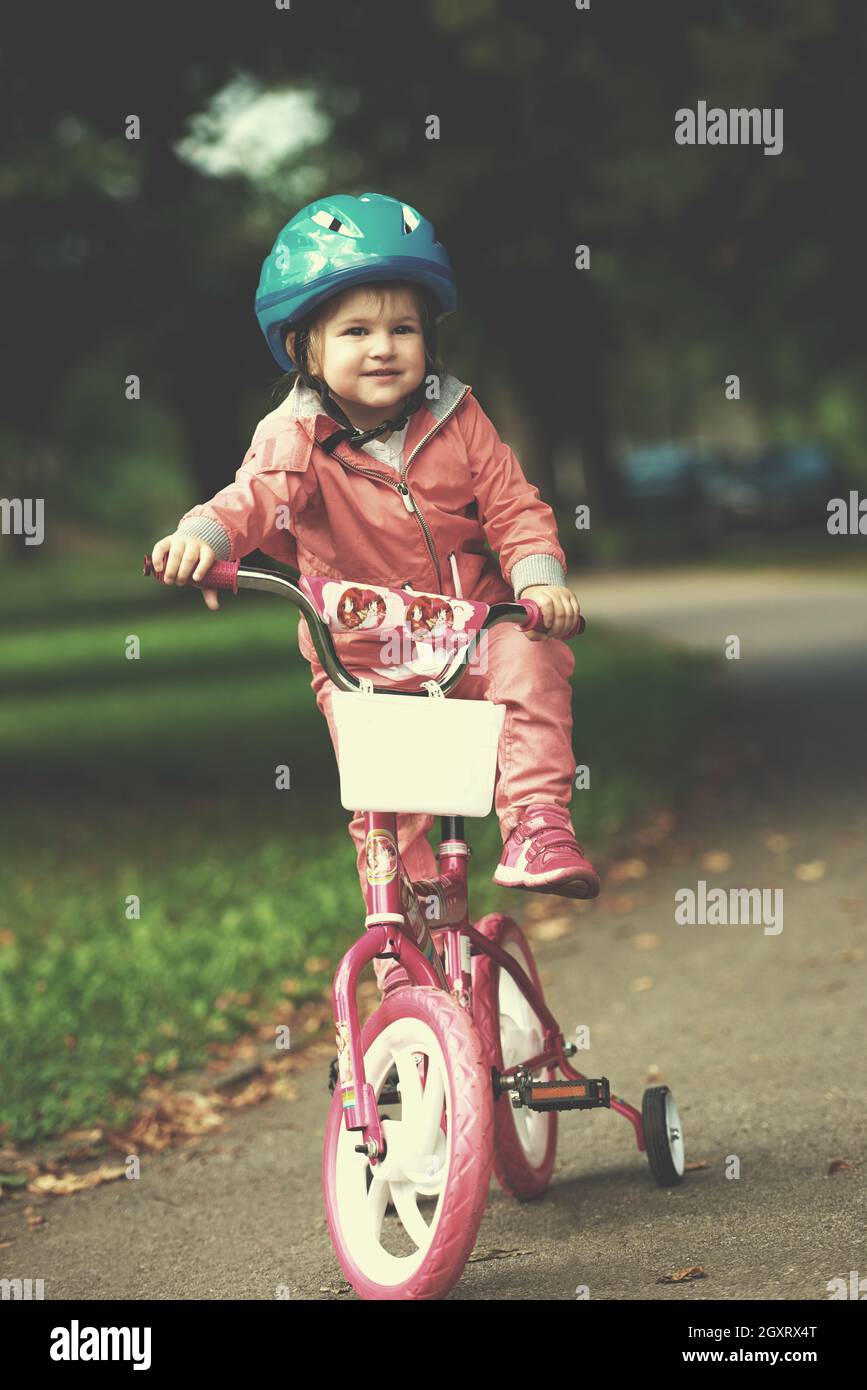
536	622
223	574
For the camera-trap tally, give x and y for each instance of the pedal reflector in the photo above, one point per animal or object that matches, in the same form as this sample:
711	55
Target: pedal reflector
564	1095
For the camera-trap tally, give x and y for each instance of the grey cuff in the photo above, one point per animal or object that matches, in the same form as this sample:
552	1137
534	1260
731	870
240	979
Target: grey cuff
536	569
211	532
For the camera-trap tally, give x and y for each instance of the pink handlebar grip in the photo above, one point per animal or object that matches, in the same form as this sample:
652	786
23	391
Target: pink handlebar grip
536	622
222	575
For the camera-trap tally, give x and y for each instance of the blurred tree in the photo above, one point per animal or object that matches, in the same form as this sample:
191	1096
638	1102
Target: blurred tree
557	128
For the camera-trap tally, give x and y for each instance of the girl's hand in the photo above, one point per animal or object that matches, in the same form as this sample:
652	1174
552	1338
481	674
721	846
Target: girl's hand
560	609
185	557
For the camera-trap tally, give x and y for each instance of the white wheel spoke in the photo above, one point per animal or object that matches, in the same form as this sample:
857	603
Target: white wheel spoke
377	1201
431	1113
521	1037
405	1198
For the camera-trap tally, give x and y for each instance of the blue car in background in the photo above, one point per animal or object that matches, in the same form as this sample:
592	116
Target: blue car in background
776	486
663	477
779	486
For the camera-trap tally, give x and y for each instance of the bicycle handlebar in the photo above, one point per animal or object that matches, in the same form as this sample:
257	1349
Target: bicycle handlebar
230	575
223	574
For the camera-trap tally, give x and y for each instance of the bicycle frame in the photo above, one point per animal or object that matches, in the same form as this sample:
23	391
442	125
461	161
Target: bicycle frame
396	921
395	924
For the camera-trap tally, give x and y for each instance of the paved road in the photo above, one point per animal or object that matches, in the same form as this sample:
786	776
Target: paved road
760	1036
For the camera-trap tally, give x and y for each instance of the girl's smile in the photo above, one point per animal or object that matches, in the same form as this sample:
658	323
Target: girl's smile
372	354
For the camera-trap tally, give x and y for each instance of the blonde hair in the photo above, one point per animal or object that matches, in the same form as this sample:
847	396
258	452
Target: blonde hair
314	327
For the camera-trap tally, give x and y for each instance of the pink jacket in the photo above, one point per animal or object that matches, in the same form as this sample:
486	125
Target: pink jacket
347	516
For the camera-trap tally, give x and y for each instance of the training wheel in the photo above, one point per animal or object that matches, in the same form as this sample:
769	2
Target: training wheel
663	1135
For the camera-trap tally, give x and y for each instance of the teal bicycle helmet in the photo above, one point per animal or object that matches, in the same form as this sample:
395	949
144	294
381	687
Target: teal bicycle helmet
331	245
342	241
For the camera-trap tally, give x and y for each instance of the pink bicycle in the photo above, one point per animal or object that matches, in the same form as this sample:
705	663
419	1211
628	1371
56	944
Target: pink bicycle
455	1074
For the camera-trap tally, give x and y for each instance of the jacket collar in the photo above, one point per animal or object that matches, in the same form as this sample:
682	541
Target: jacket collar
303	403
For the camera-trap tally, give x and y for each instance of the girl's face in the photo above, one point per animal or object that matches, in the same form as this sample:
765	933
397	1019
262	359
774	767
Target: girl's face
371	352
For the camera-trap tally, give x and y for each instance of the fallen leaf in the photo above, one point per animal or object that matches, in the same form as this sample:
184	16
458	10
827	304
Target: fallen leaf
624	902
626	869
776	843
837	1164
257	1090
285	1089
33	1217
852	953
699	1163
232	996
550	929
811	872
535	909
659	829
850	905
646	941
716	861
693	1272
652	1076
169	1116
643	983
74	1182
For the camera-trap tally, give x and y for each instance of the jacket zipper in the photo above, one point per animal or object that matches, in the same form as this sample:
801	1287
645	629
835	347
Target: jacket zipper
403	487
408	502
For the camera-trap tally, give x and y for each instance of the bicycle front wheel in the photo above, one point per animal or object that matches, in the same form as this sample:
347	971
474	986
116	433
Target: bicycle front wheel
437	1168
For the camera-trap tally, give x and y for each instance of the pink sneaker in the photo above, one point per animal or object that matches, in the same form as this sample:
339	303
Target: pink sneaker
542	855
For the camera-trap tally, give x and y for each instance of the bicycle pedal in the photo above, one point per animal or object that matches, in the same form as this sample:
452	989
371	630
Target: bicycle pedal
562	1095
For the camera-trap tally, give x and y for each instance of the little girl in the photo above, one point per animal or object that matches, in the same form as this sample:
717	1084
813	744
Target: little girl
377	467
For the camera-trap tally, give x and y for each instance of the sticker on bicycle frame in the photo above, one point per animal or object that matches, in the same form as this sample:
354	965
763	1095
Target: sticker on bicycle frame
349	1099
466	967
344	1056
381	856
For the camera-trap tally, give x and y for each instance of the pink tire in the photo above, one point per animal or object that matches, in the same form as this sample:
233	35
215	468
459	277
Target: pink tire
525	1141
437	1167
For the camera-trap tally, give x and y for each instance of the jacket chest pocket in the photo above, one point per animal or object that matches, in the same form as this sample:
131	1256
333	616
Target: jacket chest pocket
287	452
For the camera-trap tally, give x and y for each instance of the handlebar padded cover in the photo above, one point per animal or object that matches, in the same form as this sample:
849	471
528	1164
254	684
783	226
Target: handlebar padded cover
348	607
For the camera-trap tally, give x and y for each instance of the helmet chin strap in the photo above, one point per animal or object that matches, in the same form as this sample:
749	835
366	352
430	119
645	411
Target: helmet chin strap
348	432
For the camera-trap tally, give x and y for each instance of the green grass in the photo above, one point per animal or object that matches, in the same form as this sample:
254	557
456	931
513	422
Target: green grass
155	778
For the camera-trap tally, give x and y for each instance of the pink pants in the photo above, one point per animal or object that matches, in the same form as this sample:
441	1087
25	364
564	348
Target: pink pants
535	762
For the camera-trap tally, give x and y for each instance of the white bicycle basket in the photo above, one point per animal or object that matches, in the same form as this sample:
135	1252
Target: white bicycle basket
422	754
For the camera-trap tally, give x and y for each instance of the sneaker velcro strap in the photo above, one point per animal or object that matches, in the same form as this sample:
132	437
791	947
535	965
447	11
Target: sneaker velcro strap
549	839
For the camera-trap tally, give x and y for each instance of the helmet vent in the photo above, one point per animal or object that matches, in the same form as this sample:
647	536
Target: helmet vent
334	224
